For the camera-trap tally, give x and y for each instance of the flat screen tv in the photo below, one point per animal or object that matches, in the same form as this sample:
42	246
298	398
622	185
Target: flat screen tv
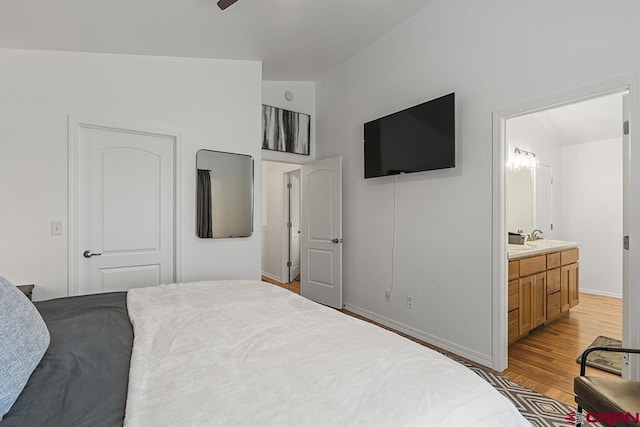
420	138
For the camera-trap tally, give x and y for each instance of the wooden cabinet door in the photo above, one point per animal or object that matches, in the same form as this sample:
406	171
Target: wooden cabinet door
564	288
539	299
514	270
553	260
569	256
514	300
553	280
525	312
573	278
553	305
513	325
533	265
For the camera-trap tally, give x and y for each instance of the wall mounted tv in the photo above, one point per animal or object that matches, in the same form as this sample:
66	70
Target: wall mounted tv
420	138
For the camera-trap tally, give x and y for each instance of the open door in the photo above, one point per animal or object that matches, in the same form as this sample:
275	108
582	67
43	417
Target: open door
321	232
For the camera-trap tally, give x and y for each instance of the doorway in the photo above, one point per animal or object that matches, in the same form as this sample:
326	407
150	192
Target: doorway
281	222
631	256
320	218
571	190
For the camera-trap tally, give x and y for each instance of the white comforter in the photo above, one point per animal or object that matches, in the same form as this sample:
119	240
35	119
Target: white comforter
246	353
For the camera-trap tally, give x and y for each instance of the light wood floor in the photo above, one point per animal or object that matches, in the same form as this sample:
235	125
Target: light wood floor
545	361
293	286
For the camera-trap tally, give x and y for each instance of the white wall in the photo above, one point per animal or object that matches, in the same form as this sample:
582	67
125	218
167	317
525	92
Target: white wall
304	101
215	104
273	243
592	212
494	54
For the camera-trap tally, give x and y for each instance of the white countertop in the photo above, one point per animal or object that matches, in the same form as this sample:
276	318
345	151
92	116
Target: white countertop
538	247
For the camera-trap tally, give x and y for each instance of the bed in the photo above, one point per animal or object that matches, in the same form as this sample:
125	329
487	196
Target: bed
239	353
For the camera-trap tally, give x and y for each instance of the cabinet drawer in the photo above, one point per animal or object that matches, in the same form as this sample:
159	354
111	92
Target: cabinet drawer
514	269
553	260
569	257
533	265
513	295
513	325
553	305
553	280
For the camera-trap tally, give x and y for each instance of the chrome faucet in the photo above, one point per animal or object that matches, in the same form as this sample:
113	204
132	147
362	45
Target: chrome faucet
534	235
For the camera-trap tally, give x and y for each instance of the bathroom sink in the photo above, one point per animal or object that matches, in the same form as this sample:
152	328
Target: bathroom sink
538	247
544	243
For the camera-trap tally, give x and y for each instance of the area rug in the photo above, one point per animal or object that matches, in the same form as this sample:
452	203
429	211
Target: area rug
538	409
603	360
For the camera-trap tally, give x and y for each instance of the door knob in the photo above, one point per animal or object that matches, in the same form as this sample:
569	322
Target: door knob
337	240
88	254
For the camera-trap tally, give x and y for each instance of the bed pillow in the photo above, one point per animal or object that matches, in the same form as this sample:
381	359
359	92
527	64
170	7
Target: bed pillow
24	338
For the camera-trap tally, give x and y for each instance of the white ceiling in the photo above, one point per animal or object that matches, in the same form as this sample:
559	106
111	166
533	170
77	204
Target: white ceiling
295	39
587	121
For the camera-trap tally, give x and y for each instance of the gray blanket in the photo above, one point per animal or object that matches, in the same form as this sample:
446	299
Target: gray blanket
82	378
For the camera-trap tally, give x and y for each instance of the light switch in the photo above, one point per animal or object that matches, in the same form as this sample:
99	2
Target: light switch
56	228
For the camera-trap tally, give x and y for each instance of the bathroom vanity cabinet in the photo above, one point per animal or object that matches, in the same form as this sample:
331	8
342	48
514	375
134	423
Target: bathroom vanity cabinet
542	287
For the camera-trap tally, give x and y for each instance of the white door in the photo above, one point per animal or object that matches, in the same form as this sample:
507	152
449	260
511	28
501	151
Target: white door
126	209
321	237
294	224
544	201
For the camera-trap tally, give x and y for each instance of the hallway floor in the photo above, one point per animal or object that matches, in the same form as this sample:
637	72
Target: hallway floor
545	361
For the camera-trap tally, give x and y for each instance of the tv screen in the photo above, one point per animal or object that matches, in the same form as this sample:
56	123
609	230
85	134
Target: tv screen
420	138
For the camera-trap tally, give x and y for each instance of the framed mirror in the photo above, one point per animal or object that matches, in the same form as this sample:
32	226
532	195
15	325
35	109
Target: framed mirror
520	200
224	195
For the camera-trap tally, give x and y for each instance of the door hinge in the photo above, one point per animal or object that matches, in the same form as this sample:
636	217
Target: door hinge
289	186
552	226
625	127
625	242
289	225
288	263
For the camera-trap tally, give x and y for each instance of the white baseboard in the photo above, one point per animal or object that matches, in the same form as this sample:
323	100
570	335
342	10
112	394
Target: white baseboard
461	351
272	277
604	294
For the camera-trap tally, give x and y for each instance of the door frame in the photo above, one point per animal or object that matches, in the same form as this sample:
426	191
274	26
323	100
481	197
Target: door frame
631	288
75	123
286	251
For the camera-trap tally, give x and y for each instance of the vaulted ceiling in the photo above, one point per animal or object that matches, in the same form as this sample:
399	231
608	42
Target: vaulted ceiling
295	39
592	120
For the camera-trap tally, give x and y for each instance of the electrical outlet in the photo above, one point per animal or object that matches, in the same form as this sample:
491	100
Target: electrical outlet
410	302
387	296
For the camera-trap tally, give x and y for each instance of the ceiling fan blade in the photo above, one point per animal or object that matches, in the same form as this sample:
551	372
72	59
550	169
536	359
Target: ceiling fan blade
223	4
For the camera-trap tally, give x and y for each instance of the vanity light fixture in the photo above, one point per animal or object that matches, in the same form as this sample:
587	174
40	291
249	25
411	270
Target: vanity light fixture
522	159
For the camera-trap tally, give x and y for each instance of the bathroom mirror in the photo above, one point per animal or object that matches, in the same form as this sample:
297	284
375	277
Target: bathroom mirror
224	195
520	200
